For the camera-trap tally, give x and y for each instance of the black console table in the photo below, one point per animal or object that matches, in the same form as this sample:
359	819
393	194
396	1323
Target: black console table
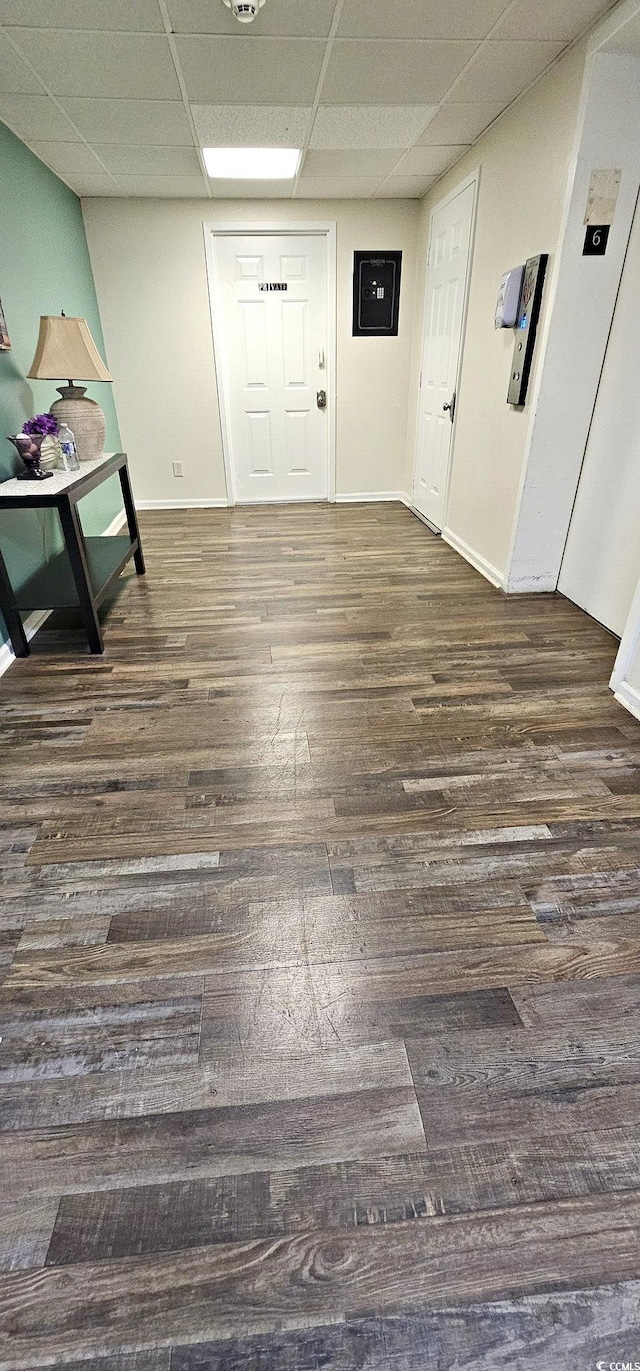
81	575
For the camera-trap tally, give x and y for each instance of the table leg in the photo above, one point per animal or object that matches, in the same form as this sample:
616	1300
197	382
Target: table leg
132	518
76	550
11	614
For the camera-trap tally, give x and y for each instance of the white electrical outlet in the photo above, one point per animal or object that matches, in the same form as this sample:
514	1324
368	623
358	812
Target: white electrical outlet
178	469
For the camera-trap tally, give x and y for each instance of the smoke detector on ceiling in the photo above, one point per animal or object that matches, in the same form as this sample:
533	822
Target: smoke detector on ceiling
245	10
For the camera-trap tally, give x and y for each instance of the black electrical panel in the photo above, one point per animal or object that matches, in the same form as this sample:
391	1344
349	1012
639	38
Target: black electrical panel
376	293
528	315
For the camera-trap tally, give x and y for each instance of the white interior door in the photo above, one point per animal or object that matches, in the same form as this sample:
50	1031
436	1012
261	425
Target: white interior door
601	564
447	274
272	346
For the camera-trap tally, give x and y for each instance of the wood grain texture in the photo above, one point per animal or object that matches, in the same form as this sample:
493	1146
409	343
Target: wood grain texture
210	1142
531	1333
229	1079
319	966
317	1277
396	1189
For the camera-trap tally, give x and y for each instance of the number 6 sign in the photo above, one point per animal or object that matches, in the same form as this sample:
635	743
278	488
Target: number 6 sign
595	240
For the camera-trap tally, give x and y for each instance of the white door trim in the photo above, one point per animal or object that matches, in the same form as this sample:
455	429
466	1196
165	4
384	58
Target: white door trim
473	179
327	228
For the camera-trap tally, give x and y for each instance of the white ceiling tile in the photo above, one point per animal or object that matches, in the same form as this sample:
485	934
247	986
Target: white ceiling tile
142	16
148	161
35	116
377	72
271	71
422	161
551	19
172	187
15	77
251	190
162	122
280	18
369	126
337	187
503	70
419	18
404	187
112	65
68	159
455	123
364	162
93	185
251	126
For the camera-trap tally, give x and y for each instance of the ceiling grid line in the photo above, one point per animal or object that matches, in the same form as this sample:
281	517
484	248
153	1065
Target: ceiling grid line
49	93
447	96
382	99
337	14
168	28
517	98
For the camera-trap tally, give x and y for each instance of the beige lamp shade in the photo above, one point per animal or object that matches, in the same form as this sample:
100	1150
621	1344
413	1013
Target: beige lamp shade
66	349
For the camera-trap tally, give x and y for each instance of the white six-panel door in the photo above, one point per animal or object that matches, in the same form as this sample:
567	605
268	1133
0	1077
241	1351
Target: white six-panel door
449	250
272	318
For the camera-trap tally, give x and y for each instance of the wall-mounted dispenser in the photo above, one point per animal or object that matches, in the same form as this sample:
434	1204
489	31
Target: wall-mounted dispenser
526	326
509	298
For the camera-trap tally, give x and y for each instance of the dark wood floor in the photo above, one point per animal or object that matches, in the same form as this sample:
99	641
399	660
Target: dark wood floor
320	937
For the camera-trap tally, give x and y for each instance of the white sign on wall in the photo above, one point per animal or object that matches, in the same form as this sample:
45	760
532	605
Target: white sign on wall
604	184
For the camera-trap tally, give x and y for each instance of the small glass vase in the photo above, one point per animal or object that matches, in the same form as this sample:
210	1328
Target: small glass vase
28	445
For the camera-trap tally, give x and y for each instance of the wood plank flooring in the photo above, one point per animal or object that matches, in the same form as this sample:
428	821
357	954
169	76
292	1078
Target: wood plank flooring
319	966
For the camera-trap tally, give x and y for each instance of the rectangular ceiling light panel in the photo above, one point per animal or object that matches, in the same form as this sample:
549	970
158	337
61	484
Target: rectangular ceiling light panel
250	164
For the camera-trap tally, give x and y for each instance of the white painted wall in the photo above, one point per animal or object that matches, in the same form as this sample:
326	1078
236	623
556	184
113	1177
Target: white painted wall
149	266
583	298
601	564
524	160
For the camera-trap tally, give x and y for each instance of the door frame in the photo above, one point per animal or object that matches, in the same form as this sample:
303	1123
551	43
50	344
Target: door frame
260	228
473	179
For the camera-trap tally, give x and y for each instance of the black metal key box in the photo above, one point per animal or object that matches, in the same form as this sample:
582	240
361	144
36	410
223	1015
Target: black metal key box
376	293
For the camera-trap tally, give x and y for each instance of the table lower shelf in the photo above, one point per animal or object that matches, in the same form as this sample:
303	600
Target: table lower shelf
53	586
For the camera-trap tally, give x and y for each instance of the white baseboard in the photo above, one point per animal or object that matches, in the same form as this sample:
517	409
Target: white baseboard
629	698
470	555
531	585
182	504
35	621
372	497
31	625
423	520
115	525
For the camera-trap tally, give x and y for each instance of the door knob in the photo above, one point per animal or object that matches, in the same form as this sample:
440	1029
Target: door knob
322	399
450	407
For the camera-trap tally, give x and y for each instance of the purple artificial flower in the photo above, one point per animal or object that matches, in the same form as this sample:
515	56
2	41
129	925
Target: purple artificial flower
43	423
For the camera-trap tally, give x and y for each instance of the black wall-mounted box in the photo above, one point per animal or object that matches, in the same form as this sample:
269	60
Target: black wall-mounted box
376	294
526	327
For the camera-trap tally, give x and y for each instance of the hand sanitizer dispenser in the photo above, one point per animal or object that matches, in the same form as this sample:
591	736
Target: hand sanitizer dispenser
509	298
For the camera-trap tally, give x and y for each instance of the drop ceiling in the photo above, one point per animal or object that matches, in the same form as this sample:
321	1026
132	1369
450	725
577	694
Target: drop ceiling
118	96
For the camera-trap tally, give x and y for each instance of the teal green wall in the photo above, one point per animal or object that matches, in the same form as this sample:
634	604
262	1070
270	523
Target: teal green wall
44	268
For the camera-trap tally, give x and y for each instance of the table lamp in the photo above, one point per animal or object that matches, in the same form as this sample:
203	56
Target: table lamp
65	348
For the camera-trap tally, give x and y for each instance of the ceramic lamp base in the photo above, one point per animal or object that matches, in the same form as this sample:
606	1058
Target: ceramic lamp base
85	418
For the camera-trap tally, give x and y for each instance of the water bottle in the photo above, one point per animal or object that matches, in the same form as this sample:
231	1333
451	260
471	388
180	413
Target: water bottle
68	447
